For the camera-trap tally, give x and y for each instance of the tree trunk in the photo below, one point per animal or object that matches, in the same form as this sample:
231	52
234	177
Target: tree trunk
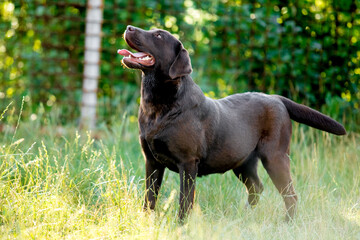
94	18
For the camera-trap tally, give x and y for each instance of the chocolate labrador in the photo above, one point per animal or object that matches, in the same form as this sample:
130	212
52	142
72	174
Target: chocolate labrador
183	130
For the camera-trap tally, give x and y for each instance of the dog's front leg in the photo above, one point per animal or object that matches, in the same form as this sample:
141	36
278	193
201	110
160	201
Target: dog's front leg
154	176
188	172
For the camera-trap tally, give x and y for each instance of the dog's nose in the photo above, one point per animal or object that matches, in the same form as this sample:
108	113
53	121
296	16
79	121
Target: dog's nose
130	28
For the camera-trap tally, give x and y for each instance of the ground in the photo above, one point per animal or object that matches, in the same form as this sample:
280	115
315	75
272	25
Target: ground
58	183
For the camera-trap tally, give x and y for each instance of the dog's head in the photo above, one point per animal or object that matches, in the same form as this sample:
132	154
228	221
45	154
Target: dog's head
158	50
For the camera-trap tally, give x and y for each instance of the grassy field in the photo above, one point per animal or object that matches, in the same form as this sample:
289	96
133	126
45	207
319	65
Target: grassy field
56	183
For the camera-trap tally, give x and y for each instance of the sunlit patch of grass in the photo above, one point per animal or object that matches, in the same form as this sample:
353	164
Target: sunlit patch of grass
78	185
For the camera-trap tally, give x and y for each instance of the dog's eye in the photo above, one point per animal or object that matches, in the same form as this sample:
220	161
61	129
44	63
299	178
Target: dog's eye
158	35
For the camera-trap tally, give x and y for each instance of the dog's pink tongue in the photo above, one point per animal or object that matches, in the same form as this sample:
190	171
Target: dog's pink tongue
127	53
139	57
123	52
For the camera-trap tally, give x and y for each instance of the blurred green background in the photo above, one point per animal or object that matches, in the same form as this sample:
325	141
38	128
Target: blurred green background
306	50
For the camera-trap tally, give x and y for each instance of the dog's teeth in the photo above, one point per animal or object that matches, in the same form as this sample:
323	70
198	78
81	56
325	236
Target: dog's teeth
145	58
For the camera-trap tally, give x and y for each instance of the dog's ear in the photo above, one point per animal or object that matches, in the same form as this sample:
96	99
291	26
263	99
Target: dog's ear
181	66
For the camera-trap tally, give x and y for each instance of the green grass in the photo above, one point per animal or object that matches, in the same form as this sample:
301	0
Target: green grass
56	183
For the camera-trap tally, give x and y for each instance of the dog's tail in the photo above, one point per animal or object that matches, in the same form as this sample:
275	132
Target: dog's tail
303	114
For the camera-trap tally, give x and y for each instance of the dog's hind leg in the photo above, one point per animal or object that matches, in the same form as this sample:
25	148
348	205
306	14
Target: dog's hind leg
247	173
278	168
273	149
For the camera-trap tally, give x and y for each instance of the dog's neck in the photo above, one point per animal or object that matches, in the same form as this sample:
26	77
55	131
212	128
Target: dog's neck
160	95
158	92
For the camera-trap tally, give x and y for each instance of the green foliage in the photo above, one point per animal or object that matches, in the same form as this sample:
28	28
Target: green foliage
306	50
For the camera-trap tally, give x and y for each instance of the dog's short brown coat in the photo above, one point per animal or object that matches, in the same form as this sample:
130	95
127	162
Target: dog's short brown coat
186	132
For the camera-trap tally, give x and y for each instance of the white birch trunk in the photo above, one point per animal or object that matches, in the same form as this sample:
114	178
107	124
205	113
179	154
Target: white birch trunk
94	18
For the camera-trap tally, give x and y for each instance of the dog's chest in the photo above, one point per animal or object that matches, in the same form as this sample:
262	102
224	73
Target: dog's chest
172	142
162	150
159	138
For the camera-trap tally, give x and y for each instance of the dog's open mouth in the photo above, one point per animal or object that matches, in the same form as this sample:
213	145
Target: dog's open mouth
142	58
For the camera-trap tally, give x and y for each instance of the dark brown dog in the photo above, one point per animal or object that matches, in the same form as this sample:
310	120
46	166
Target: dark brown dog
193	135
